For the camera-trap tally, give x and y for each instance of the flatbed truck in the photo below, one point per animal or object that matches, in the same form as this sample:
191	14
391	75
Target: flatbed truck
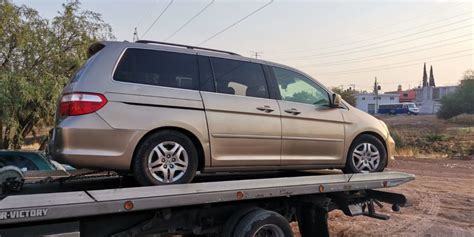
51	204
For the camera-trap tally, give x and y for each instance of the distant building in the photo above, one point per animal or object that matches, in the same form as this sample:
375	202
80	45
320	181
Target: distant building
367	101
428	96
405	96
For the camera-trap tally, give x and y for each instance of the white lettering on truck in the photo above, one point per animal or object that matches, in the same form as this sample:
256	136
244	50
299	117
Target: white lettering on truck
23	213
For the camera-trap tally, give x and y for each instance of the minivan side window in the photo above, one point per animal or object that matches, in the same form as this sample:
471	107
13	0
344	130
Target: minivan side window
158	68
205	75
239	78
298	88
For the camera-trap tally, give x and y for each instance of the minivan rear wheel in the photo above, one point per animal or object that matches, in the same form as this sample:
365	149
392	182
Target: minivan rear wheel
366	154
166	157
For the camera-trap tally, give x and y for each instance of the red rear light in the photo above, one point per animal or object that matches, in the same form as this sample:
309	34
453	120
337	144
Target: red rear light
79	103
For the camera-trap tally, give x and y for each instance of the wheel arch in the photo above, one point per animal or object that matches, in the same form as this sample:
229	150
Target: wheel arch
374	134
197	143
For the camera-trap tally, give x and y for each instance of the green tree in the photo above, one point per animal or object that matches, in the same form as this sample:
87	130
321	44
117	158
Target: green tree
461	101
37	56
348	95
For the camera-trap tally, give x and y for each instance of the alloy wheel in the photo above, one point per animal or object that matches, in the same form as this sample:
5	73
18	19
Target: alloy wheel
168	162
366	157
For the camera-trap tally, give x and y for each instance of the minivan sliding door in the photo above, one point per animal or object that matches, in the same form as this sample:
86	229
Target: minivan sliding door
244	123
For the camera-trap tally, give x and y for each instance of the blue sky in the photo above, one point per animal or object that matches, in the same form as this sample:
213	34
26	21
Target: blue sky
337	42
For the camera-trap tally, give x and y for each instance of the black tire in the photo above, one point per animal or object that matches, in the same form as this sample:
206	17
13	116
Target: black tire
140	169
258	219
234	219
351	168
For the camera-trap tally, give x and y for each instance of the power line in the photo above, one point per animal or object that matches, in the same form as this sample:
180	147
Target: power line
235	23
190	20
156	20
380	67
149	14
390	54
415	27
384	46
374	29
338	52
389	66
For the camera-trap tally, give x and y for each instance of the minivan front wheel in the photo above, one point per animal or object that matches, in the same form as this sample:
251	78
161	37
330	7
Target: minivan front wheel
166	157
366	154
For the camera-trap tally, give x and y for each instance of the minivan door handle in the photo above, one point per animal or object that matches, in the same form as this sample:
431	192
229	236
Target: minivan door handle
266	109
293	111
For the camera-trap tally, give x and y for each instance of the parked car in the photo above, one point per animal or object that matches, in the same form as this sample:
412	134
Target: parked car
165	111
27	160
398	108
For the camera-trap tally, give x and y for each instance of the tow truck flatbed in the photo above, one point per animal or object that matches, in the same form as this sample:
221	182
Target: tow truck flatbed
352	193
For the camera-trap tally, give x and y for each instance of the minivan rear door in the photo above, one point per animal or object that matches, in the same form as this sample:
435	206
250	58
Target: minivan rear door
244	123
312	132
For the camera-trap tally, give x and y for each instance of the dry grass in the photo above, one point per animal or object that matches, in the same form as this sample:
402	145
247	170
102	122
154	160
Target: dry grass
463	119
427	136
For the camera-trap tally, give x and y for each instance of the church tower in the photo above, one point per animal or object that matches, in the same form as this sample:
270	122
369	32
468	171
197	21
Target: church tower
425	76
432	80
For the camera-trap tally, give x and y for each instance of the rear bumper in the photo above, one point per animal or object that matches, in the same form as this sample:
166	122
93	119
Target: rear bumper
87	141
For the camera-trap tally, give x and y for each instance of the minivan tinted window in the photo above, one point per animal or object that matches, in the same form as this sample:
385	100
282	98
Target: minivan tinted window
295	87
205	74
239	78
159	68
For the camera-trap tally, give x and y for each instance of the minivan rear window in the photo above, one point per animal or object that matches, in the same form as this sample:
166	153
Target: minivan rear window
158	68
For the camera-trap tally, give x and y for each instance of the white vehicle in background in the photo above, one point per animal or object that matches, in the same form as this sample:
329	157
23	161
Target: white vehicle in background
412	109
399	108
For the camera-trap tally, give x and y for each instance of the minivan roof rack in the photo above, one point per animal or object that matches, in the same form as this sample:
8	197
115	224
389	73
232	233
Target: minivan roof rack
185	46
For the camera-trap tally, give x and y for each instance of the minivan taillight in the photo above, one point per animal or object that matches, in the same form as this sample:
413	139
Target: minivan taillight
79	103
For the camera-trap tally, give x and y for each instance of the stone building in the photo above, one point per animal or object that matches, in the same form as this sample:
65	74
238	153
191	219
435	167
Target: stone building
429	95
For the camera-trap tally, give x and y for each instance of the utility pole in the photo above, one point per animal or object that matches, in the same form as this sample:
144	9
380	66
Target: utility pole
256	54
376	92
135	35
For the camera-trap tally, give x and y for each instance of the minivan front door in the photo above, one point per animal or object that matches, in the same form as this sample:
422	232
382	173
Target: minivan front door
312	132
244	124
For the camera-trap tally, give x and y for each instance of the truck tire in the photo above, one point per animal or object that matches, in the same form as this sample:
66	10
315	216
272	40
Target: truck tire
263	223
165	157
366	154
234	219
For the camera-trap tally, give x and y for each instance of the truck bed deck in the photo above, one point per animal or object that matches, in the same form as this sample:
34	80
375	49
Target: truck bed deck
28	207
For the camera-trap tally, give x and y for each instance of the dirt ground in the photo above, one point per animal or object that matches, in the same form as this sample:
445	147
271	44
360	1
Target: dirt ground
440	203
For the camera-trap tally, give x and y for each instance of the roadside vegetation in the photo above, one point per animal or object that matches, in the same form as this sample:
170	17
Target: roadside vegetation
348	95
461	101
427	136
37	56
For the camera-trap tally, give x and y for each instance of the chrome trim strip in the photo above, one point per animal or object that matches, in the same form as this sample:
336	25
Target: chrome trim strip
313	139
248	136
163	106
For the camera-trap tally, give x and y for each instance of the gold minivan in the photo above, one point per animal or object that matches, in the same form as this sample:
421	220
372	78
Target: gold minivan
165	111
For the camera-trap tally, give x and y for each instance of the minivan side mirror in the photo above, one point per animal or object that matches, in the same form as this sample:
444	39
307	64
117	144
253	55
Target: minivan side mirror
336	100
